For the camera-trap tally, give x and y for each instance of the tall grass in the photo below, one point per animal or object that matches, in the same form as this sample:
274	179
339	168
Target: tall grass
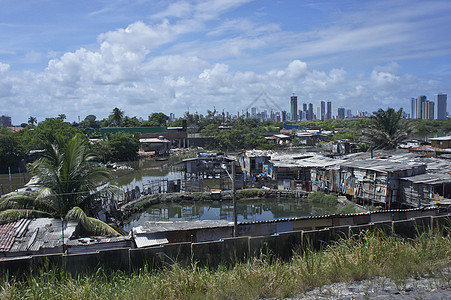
362	257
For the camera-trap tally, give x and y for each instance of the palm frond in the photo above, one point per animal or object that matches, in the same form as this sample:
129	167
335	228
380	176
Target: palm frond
90	224
11	215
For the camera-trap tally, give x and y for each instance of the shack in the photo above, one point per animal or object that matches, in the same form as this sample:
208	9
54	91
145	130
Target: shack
425	189
376	180
255	163
210	166
42	236
443	142
302	169
309	138
160	146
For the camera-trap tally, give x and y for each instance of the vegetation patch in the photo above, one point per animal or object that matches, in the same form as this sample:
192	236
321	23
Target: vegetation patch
249	193
365	256
347	209
198	196
324	198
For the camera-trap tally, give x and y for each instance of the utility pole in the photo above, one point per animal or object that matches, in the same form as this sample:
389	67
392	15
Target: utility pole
235	217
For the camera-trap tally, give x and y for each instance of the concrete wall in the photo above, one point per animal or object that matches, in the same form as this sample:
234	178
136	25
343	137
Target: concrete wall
226	251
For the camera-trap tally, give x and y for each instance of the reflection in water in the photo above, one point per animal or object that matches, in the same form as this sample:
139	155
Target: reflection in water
144	170
248	211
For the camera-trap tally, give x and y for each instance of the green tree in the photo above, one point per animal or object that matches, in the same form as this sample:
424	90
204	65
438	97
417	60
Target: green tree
32	121
47	132
62	117
11	150
69	187
116	117
386	129
118	146
157	119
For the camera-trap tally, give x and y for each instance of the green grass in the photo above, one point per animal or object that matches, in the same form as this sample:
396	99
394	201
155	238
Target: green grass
362	257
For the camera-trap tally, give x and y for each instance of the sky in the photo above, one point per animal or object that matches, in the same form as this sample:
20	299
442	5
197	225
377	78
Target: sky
87	57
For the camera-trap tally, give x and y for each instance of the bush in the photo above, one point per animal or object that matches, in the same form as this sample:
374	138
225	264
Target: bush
323	198
248	193
198	196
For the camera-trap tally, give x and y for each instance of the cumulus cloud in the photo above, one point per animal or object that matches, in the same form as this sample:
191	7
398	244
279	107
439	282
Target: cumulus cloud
3	67
384	79
186	57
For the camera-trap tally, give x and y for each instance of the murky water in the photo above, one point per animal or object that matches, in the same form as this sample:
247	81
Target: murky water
144	171
248	210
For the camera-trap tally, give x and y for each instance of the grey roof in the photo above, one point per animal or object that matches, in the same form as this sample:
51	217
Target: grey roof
442	138
381	165
154	227
43	233
305	160
430	179
152	239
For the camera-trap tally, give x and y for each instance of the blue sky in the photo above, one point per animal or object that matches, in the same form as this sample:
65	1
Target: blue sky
87	57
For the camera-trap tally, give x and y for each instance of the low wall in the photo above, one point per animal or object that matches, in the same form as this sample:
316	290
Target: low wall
225	251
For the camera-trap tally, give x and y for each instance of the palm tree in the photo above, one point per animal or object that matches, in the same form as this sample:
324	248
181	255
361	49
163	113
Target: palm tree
62	117
386	129
69	187
32	120
117	116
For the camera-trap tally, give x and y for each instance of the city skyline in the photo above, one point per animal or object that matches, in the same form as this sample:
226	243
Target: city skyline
81	58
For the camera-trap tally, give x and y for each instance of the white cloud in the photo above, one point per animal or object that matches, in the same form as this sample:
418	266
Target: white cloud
3	67
384	79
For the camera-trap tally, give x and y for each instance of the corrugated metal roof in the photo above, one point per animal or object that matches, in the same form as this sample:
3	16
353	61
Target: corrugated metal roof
429	178
43	233
154	227
381	165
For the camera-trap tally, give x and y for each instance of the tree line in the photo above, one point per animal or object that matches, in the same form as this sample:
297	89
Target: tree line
384	130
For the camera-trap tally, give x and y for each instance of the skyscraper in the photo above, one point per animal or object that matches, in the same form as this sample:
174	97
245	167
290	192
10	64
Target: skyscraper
419	105
322	111
427	109
294	108
310	112
341	113
440	106
329	110
284	116
413	108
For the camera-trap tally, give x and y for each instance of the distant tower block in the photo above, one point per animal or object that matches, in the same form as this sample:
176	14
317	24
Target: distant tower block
294	108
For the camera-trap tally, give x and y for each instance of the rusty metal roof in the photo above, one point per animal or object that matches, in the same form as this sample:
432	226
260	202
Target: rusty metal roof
10	231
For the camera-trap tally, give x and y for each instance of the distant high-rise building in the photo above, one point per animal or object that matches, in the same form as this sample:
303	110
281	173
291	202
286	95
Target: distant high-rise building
322	111
294	108
304	107
419	107
329	110
284	116
319	115
341	113
310	112
427	110
253	112
440	106
272	116
348	113
5	121
413	108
